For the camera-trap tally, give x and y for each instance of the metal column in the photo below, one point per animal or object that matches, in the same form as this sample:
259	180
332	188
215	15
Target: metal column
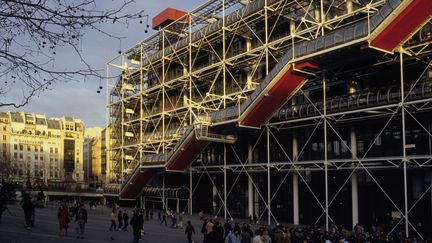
405	161
354	181
225	183
250	184
163	192
325	156
295	181
268	178
190	191
214	196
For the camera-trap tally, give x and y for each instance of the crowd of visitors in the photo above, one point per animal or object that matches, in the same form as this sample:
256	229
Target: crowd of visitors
214	232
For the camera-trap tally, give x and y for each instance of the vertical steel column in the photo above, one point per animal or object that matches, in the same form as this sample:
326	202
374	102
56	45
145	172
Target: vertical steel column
354	181
190	75
225	183
214	196
163	91
178	206
190	190
250	184
266	36
325	155
404	144
107	129
163	192
268	178
295	181
223	56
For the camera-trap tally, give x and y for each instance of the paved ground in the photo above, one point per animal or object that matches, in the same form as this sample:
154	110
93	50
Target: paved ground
46	229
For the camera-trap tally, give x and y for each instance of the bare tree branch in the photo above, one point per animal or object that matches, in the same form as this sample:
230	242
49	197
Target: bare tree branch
32	30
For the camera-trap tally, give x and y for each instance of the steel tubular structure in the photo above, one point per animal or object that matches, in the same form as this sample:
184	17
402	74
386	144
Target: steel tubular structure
252	96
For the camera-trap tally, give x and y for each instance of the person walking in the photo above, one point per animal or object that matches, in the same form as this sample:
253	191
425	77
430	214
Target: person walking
113	221
63	219
164	219
120	220
81	219
136	227
125	220
189	231
26	205
233	237
151	214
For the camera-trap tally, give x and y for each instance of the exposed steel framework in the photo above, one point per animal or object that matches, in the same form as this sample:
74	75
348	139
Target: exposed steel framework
228	66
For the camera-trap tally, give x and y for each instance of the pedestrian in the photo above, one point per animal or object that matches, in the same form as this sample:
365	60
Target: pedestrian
257	238
125	220
265	237
80	219
189	231
173	220
26	205
180	220
2	205
233	237
159	215
147	214
227	228
63	219
120	220
164	219
136	227
113	221
151	214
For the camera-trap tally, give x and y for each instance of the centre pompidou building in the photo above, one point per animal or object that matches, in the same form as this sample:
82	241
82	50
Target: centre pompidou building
299	111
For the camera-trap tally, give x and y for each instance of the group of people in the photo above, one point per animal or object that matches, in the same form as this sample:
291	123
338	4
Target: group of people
78	214
214	232
176	220
122	219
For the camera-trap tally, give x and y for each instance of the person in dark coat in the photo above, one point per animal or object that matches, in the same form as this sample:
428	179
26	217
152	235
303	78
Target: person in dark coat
63	219
27	207
125	220
189	231
120	220
217	234
80	215
136	227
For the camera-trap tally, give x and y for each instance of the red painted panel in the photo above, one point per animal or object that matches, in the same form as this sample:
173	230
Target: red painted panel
138	181
411	18
189	151
276	97
167	16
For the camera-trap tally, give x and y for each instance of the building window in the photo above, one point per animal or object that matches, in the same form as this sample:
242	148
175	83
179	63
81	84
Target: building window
15	155
20	156
41	149
36	157
51	150
4	137
21	147
41	158
36	149
16	146
28	148
4	128
56	150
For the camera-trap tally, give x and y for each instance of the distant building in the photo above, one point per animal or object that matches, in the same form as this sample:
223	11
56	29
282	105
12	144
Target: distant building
36	147
106	165
92	156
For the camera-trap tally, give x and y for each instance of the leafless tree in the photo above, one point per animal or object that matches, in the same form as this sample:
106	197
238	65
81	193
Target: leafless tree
32	30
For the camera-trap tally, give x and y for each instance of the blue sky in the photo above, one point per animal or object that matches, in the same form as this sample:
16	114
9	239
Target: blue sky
79	98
